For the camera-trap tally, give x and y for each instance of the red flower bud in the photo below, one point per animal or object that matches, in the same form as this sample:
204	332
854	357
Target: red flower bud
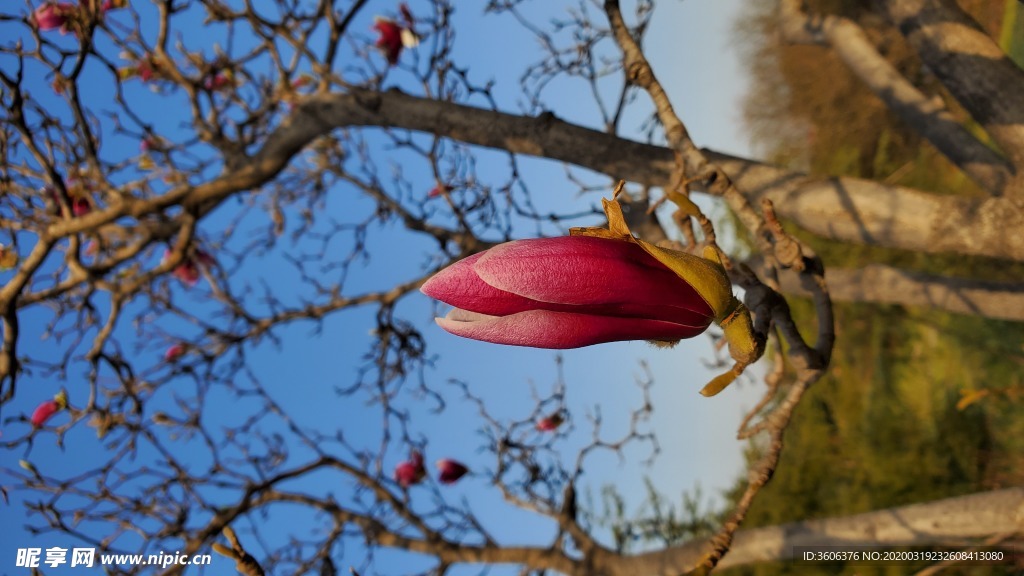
598	285
44	412
411	471
567	293
190	270
174	352
54	15
80	206
47	409
451	470
218	82
145	70
390	39
550	423
438	190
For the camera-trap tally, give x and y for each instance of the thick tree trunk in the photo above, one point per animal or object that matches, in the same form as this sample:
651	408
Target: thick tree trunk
964	520
971	66
928	117
844	209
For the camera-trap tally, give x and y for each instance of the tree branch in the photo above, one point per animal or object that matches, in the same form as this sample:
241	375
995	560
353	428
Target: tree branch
887	285
844	209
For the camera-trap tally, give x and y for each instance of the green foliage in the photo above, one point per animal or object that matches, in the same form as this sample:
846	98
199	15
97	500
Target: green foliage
658	522
1011	37
883	429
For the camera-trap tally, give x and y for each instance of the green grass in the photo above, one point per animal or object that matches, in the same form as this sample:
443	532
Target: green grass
1011	38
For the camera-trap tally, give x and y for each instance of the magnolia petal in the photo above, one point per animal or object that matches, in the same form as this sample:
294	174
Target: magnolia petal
390	39
409	38
706	276
459	285
561	330
460	315
411	471
581	270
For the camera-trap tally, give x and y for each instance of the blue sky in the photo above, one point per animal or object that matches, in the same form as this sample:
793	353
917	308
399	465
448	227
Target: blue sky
689	48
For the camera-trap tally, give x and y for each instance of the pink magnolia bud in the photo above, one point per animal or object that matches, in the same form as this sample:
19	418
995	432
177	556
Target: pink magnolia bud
411	471
451	470
80	206
390	39
219	81
145	70
78	195
54	15
47	409
188	273
302	81
550	423
190	270
44	412
438	190
567	292
174	352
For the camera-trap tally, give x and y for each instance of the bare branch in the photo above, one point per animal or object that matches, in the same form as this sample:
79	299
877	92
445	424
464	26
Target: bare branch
846	209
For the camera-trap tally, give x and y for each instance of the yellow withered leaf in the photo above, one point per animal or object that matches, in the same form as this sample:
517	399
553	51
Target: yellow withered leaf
8	258
970	397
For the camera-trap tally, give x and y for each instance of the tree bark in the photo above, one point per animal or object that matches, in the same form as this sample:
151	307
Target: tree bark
971	66
844	209
928	117
887	285
961	520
